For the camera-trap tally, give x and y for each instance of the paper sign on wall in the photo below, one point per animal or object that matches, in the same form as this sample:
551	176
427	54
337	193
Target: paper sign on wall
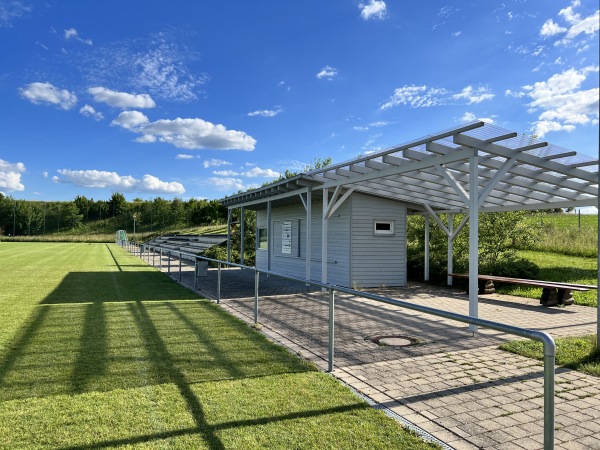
286	237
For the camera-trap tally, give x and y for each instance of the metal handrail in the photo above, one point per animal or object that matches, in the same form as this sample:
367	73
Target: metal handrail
540	336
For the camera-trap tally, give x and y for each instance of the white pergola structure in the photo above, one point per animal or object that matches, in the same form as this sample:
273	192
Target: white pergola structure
469	169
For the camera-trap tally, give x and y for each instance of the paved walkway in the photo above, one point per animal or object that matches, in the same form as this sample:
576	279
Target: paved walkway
458	387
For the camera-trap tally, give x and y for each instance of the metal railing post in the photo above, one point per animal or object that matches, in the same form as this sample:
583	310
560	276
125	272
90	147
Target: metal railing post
549	369
153	254
256	280
160	262
169	262
195	274
180	259
331	329
219	283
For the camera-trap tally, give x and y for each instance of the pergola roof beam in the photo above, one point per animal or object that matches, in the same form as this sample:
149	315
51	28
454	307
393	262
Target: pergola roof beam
521	155
530	174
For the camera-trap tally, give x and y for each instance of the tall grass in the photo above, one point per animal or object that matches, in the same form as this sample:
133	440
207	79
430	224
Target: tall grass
568	234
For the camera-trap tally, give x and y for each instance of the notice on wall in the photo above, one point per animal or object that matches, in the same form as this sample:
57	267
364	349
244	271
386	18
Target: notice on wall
286	237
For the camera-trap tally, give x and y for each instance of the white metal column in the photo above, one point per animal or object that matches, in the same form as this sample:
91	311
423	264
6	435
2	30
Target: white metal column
426	274
473	238
242	235
324	237
269	236
308	251
450	247
229	212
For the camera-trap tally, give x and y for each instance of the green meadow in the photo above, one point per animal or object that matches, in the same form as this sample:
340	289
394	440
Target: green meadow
100	351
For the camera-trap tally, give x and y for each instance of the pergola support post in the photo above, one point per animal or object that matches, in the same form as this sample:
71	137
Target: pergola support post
450	247
242	235
426	273
324	236
269	236
308	234
473	239
229	213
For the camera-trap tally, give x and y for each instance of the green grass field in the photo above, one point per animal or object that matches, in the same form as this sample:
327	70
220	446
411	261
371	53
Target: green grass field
99	350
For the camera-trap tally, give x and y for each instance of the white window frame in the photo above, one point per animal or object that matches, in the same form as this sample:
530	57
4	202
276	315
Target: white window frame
389	232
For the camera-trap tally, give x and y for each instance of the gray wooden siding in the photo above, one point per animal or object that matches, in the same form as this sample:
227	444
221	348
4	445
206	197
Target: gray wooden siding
377	259
295	263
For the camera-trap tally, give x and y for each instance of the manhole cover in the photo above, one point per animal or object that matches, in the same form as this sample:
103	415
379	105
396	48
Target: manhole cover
394	340
398	341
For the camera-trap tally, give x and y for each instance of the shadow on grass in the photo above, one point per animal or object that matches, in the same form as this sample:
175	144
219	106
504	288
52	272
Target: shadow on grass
100	331
212	429
124	286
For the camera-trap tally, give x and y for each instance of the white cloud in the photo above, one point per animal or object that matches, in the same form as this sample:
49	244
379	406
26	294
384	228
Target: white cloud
215	163
112	180
131	120
39	93
266	112
416	97
550	28
191	134
157	65
89	111
375	9
576	25
45	174
12	10
227	184
470	117
184	156
327	72
360	128
226	173
72	33
562	101
258	172
121	99
379	123
10	176
456	34
474	95
510	93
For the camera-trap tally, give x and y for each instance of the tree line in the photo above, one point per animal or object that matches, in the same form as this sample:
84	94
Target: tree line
30	217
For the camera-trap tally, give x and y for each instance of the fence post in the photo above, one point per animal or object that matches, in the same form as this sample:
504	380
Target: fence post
256	279
331	329
169	262
180	259
195	274
153	254
218	283
160	262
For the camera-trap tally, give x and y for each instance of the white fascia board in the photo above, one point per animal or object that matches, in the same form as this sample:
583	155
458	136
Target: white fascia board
270	198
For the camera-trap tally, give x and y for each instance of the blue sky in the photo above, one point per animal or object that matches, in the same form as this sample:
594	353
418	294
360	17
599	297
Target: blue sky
198	99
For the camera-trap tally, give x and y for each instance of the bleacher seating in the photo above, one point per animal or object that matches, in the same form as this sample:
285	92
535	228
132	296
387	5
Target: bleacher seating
187	243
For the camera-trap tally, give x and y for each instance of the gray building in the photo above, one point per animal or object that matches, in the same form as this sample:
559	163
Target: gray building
345	224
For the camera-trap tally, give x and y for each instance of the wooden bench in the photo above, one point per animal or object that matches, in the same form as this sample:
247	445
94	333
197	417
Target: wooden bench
553	292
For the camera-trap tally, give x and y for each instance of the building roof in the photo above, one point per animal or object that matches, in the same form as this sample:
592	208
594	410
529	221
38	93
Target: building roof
514	172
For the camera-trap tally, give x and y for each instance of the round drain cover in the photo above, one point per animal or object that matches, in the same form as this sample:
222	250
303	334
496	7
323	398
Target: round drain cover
396	341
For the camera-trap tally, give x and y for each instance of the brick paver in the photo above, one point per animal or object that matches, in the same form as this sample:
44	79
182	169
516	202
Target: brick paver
457	386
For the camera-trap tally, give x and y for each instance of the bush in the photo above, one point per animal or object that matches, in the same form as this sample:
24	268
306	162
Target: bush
514	268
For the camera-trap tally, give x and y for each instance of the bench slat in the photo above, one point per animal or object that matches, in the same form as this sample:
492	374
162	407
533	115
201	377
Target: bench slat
538	283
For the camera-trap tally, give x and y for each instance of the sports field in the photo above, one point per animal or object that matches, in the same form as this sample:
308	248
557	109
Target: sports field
99	350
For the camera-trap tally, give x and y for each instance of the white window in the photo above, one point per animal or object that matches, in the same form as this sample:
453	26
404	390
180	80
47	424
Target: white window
383	227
